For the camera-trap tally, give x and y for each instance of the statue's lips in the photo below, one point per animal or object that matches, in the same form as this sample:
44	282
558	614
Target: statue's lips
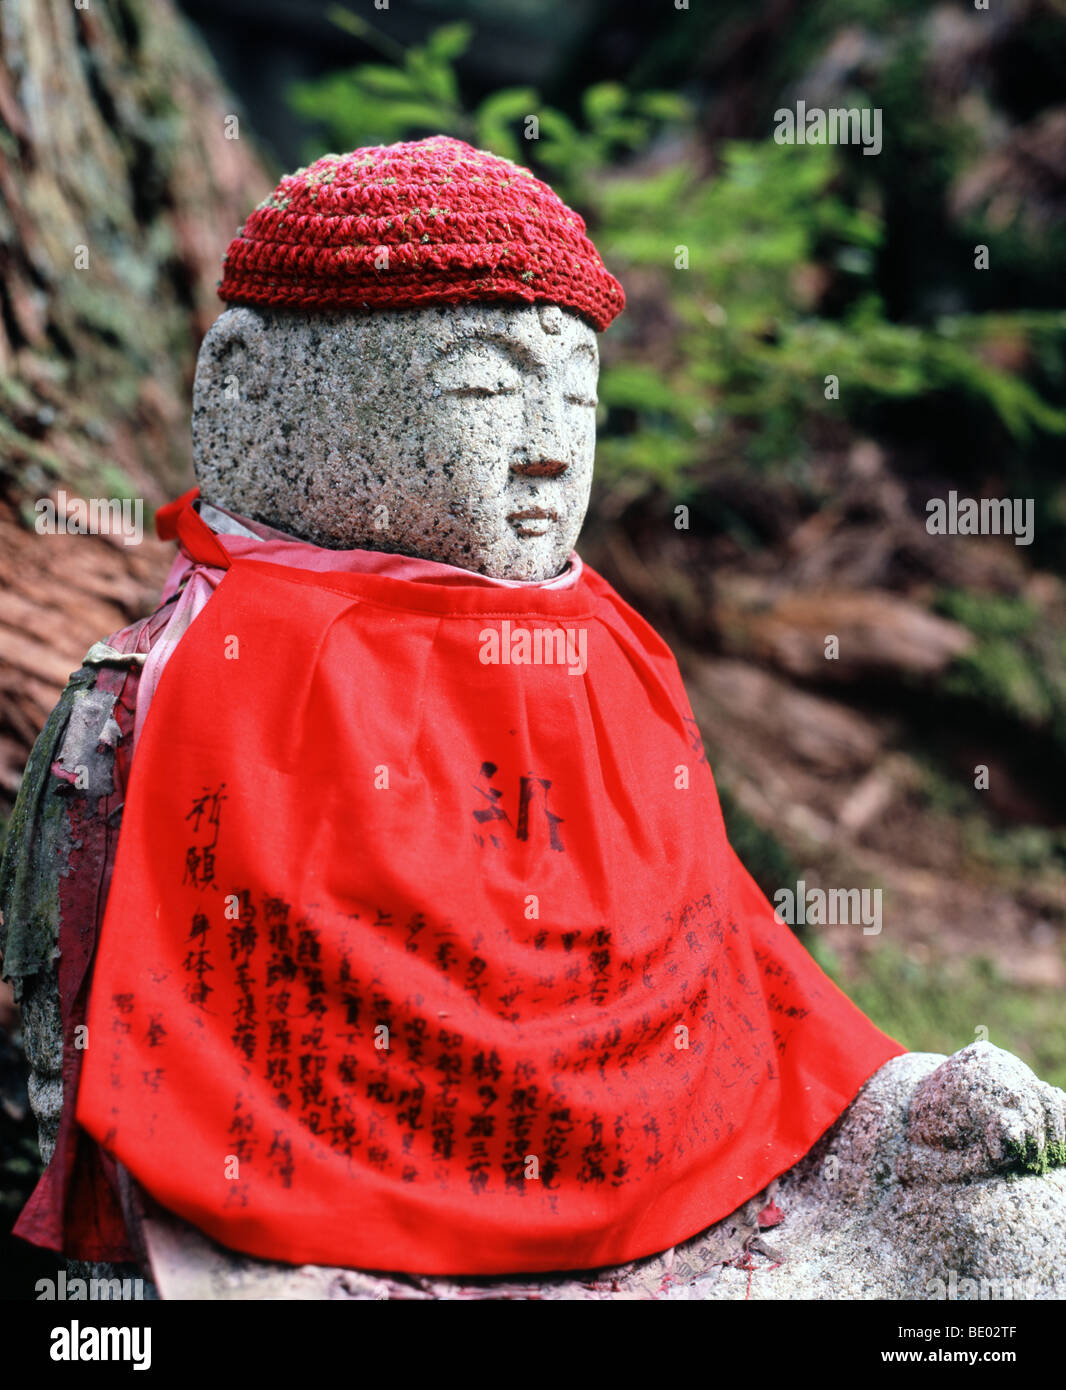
534	521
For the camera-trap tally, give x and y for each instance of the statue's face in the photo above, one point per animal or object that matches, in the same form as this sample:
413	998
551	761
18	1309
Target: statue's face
464	434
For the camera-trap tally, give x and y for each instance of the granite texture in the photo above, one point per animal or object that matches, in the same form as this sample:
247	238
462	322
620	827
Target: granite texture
460	434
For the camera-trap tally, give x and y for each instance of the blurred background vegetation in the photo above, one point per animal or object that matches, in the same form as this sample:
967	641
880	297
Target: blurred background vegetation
748	511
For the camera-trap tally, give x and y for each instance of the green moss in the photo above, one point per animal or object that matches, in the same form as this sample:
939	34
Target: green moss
1036	1158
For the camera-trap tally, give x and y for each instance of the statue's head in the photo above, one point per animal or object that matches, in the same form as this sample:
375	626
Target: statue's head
411	361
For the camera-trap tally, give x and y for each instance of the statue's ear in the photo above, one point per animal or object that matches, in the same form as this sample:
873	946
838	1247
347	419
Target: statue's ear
230	383
230	362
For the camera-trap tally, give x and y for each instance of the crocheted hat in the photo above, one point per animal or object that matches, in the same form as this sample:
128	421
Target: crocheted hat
413	224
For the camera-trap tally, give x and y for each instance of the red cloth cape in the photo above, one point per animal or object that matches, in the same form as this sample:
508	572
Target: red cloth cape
416	962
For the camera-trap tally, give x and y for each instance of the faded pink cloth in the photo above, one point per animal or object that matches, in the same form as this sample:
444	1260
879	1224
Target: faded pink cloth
277	548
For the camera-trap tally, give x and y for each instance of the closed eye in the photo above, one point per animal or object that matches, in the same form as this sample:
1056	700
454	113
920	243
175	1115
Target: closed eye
479	391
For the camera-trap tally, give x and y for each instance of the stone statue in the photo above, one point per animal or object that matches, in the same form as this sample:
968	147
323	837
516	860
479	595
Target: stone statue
463	433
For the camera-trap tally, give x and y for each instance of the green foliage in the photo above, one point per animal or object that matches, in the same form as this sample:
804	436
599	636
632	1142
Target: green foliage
382	102
938	1006
736	257
989	615
417	94
1017	856
1017	667
1028	849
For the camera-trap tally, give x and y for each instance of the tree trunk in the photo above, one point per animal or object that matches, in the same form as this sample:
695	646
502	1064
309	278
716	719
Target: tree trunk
123	175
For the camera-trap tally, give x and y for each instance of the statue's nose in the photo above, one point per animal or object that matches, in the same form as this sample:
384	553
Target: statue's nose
539	468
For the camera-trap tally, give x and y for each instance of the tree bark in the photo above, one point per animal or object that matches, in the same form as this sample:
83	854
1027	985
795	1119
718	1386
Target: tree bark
123	174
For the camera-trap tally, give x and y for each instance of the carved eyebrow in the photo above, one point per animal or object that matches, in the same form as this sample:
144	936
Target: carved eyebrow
521	355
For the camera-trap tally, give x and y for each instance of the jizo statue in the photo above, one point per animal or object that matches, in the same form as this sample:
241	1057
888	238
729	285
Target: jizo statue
409	958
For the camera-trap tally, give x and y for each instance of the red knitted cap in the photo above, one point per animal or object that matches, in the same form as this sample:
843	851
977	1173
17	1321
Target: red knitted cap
413	224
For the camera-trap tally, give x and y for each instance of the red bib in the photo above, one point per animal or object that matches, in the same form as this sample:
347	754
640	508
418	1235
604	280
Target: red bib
425	948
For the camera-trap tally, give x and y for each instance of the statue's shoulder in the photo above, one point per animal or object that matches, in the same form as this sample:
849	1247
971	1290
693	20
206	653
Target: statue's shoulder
71	775
29	898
